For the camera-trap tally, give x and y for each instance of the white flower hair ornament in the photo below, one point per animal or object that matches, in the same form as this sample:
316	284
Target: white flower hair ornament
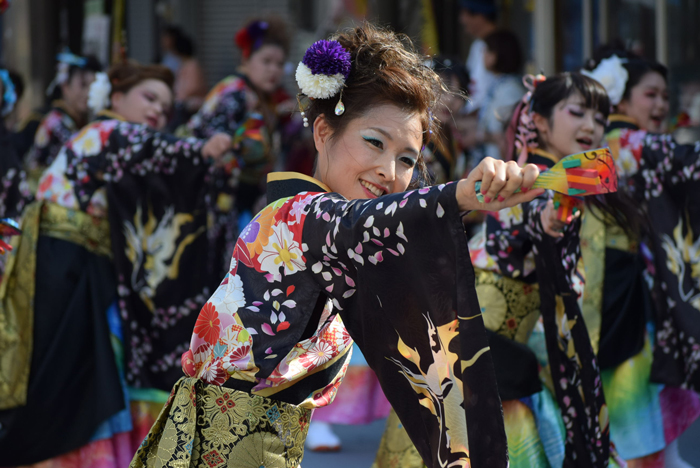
612	74
322	72
100	89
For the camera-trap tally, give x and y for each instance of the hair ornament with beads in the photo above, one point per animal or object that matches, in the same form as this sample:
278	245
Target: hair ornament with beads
522	130
322	72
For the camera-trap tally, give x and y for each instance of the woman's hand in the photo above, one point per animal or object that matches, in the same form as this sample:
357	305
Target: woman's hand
217	146
499	180
551	223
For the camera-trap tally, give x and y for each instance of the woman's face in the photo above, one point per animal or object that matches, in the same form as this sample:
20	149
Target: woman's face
572	128
75	91
648	103
148	103
265	68
374	156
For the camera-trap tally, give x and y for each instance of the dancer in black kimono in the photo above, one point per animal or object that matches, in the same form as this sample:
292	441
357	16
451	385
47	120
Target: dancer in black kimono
347	256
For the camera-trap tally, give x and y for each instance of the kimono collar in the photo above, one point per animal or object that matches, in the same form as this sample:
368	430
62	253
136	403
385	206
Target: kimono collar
540	157
109	115
621	121
61	105
289	184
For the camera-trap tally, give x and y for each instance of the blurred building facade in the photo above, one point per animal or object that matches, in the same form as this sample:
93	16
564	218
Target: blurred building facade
556	34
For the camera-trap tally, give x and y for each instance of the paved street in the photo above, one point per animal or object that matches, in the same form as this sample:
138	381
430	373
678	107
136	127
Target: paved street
360	444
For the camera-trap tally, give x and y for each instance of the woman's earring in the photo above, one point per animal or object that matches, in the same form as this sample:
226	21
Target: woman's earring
303	114
340	107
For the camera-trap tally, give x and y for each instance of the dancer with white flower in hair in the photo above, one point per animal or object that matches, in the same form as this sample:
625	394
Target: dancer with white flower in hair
69	113
269	346
88	297
642	287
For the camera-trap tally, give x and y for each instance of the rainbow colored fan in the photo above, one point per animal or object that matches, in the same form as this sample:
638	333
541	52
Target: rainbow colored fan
577	175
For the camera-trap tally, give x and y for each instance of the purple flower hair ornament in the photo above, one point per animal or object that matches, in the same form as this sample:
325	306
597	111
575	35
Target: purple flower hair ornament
322	72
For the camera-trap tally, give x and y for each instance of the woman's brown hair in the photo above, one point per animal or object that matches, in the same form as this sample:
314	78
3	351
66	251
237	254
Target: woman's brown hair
125	76
386	69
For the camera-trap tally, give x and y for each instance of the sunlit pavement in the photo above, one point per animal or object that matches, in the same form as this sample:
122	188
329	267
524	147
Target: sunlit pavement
360	445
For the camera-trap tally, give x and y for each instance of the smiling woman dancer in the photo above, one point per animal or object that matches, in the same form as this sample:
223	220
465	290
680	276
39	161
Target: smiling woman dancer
269	346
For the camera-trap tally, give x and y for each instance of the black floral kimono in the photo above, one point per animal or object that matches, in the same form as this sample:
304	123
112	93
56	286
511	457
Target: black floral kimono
523	273
227	108
665	178
311	273
14	191
53	132
120	217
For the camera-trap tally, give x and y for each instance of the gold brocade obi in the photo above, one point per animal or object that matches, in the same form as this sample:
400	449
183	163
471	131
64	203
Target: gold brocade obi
218	427
509	307
77	227
18	287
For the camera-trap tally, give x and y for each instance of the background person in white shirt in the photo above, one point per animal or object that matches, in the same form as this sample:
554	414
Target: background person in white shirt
478	17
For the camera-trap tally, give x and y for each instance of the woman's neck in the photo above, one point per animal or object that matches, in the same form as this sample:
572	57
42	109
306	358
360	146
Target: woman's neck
617	117
109	113
78	117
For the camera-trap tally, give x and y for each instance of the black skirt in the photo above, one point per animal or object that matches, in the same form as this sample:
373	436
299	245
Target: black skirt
74	383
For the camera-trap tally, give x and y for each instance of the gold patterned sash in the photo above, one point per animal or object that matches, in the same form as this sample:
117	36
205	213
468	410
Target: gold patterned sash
218	427
18	284
510	307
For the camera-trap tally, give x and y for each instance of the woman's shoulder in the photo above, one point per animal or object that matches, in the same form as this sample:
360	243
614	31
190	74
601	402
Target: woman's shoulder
511	84
93	137
230	84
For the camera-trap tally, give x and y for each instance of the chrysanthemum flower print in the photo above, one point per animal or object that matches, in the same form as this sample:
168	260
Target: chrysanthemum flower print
208	324
319	354
235	297
238	358
214	373
282	250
